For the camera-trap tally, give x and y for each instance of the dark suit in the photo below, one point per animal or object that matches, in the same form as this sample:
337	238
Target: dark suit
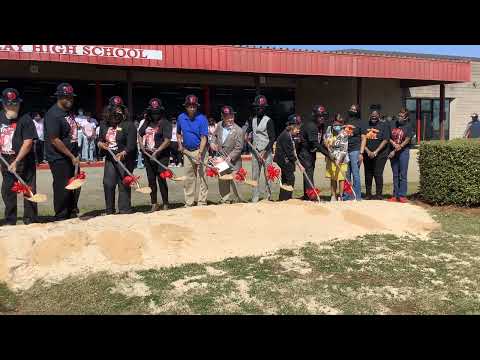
285	158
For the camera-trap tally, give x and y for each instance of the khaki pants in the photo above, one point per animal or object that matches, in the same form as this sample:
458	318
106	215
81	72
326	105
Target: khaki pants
224	187
192	173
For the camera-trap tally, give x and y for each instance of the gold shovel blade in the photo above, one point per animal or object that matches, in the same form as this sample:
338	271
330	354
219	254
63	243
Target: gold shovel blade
226	177
144	190
75	184
180	178
287	187
37	198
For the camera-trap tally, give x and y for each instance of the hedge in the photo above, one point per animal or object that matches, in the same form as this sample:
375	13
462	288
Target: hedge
450	172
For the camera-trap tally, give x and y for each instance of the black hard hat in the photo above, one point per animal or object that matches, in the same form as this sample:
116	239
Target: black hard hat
114	102
293	119
64	89
155	105
11	96
227	110
260	101
191	100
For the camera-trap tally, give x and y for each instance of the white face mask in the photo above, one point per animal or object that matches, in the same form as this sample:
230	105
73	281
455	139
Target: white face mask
11	114
80	113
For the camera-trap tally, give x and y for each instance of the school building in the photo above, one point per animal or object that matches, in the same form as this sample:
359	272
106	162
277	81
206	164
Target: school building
439	91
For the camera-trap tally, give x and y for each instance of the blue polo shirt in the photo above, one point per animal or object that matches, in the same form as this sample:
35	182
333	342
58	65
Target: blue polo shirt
192	130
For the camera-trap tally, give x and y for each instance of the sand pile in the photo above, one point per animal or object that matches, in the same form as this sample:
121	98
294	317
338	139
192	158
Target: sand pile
121	243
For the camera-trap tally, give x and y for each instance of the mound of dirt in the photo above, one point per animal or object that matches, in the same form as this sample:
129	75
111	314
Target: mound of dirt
122	243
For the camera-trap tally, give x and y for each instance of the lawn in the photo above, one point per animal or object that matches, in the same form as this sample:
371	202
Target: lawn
374	274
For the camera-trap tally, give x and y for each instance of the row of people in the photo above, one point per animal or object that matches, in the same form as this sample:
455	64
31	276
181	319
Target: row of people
343	143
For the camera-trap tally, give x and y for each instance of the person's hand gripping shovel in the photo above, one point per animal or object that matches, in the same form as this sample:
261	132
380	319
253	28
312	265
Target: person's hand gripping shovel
130	178
21	186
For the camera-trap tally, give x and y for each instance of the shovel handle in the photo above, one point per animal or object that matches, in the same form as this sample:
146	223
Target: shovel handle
15	174
122	165
308	179
151	157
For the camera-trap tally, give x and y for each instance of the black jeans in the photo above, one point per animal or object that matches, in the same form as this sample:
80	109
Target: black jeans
176	155
288	178
153	171
374	169
64	201
112	177
308	162
26	169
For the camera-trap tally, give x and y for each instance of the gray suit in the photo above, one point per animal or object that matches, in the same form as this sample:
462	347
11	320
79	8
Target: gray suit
232	146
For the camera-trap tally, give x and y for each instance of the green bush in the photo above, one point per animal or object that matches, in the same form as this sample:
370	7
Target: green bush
450	172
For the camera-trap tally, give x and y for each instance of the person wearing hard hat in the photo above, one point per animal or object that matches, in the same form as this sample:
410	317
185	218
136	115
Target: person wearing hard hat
261	132
17	134
192	134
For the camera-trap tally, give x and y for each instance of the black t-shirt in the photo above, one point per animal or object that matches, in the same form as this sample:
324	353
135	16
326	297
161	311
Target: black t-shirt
355	141
14	132
153	137
61	124
399	132
383	134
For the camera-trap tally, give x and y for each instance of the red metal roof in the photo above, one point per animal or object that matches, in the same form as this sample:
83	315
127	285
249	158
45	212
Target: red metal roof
232	58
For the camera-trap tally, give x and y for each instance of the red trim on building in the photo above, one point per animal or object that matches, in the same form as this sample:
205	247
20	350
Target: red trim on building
231	58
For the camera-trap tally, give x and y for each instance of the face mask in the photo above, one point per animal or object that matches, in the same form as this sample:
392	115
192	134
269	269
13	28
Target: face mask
374	119
260	112
117	118
156	117
353	113
474	118
402	120
337	128
10	114
80	113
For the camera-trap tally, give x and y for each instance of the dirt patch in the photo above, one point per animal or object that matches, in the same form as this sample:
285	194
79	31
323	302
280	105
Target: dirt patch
148	241
56	248
214	272
122	248
131	286
365	221
295	263
203	214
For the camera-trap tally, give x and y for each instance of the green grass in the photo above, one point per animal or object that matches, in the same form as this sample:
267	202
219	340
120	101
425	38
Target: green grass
372	274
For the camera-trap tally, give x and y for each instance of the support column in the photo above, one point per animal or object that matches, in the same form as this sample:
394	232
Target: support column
442	112
359	92
257	86
206	97
130	95
419	121
98	100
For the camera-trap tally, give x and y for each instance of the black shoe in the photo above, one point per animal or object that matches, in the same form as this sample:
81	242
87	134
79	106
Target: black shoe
378	197
126	212
30	221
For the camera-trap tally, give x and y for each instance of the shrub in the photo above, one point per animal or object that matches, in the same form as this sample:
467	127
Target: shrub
450	172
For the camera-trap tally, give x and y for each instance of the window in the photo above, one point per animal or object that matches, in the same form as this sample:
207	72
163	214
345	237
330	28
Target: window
428	126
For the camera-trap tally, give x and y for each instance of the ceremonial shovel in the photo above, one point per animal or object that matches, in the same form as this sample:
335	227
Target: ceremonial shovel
153	158
143	190
76	183
264	168
36	198
308	179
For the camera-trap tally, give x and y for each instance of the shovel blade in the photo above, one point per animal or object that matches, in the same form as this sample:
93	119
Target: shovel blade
144	190
37	198
75	184
180	178
287	187
251	183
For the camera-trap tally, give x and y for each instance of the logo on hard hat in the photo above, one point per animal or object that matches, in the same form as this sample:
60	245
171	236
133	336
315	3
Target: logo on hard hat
262	101
226	110
321	109
11	95
117	100
155	104
68	89
192	99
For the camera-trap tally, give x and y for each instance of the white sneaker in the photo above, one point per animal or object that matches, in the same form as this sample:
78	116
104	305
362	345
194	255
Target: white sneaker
333	198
